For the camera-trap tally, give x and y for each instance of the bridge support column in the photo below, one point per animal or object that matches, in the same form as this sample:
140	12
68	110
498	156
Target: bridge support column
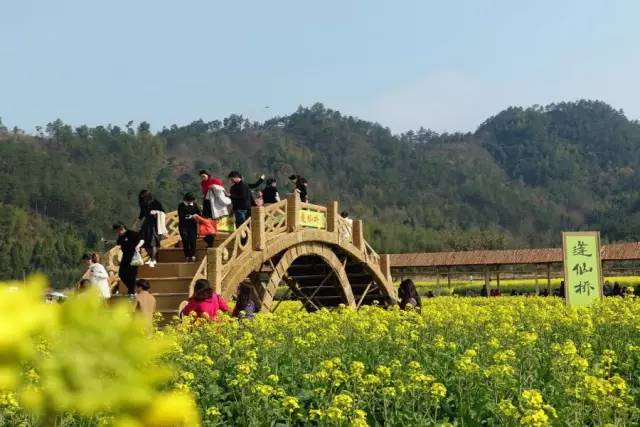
214	269
257	229
358	234
332	217
293	212
385	266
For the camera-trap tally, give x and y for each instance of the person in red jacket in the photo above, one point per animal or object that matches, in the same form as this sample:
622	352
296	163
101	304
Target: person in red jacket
204	302
206	182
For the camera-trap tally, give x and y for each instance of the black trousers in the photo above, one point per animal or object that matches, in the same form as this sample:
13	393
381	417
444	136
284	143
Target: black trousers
189	235
128	275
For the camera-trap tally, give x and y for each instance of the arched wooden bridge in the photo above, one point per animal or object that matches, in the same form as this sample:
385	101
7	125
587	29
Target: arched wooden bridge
319	257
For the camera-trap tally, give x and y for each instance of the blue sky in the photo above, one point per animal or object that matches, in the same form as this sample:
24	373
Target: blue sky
405	64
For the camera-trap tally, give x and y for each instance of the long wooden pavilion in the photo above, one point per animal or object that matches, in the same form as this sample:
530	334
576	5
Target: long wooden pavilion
491	263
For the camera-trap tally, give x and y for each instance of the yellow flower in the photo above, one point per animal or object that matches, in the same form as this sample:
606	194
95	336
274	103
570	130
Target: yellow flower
213	412
532	399
507	409
414	366
290	404
357	368
534	418
315	414
383	372
335	414
343	401
438	390
389	391
172	409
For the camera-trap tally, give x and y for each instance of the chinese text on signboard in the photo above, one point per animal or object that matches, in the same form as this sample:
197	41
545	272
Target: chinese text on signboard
582	267
313	219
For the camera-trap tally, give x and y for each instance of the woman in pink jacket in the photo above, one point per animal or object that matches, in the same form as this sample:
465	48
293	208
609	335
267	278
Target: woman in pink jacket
204	302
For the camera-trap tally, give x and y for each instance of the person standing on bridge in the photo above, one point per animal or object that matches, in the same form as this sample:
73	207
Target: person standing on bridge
150	210
206	183
241	198
300	187
188	226
270	193
130	243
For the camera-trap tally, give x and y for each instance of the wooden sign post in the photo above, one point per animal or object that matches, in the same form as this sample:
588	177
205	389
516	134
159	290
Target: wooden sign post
582	268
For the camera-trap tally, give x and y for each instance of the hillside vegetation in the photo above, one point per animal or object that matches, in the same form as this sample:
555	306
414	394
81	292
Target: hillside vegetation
518	181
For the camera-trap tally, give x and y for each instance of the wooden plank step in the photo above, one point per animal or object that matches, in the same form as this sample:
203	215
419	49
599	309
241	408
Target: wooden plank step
169	301
201	244
169	269
176	255
160	285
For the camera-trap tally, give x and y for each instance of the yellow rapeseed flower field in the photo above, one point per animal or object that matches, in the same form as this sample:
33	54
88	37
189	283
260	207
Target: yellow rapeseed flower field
511	361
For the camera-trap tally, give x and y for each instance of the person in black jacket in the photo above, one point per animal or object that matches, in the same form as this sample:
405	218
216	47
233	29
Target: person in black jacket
149	208
270	193
300	187
129	242
241	197
188	226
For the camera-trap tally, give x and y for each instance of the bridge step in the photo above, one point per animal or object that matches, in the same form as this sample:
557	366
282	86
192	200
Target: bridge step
161	285
169	301
176	255
169	269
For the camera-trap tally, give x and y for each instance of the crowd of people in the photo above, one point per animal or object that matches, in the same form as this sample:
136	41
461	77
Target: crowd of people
193	222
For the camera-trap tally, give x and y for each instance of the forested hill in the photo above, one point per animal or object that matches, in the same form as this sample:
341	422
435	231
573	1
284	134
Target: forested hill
518	181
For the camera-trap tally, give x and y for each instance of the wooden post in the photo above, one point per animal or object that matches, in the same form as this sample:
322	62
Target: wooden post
449	277
487	279
293	212
358	234
385	266
214	269
549	278
258	234
437	277
535	276
332	217
498	277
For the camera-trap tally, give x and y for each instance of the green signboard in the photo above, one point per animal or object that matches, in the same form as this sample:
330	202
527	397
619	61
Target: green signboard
582	267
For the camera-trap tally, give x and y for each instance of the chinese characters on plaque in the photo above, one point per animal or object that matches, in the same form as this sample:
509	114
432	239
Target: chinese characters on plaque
313	219
582	267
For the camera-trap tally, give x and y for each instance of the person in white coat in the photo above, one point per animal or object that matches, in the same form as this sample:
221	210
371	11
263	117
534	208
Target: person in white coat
97	274
219	200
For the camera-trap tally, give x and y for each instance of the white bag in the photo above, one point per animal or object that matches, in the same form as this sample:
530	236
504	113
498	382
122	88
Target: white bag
137	260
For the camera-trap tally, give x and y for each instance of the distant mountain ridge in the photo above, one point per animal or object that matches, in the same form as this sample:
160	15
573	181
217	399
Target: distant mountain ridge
521	178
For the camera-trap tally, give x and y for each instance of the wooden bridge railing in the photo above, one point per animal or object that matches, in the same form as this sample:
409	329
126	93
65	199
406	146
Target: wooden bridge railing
287	216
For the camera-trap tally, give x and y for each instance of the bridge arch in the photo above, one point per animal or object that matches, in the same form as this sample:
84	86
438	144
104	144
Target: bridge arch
336	277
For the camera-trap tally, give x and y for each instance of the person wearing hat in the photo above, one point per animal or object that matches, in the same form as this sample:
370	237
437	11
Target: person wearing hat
204	302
